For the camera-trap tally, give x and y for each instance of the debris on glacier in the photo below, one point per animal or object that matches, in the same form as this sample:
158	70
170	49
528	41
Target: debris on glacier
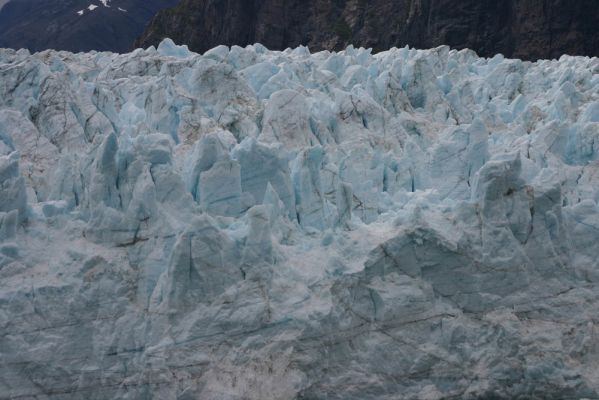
255	224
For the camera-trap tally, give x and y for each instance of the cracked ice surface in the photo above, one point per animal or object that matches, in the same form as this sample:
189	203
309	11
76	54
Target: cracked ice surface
250	224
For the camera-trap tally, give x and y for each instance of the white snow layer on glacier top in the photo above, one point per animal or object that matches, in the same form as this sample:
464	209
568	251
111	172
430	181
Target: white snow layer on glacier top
254	224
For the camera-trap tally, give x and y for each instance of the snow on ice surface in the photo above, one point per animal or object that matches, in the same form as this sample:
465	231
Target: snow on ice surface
92	7
251	224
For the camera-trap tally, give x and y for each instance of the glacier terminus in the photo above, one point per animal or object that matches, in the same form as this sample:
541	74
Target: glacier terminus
250	224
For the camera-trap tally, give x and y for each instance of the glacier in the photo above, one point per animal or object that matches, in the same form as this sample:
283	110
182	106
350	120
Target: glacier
255	224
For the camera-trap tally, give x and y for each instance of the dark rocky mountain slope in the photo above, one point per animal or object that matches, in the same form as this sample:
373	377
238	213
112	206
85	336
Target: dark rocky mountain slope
75	25
528	29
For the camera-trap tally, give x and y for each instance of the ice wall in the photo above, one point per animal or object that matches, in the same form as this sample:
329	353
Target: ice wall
250	224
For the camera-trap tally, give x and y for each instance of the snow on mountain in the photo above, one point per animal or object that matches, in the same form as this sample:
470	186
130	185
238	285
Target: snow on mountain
251	224
92	7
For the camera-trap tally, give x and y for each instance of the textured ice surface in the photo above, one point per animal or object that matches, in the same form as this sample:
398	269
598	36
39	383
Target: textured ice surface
250	224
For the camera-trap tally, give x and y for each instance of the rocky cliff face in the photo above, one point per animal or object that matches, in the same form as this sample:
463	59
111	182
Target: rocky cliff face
528	29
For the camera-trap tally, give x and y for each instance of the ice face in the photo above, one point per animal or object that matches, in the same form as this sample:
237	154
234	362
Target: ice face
251	224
